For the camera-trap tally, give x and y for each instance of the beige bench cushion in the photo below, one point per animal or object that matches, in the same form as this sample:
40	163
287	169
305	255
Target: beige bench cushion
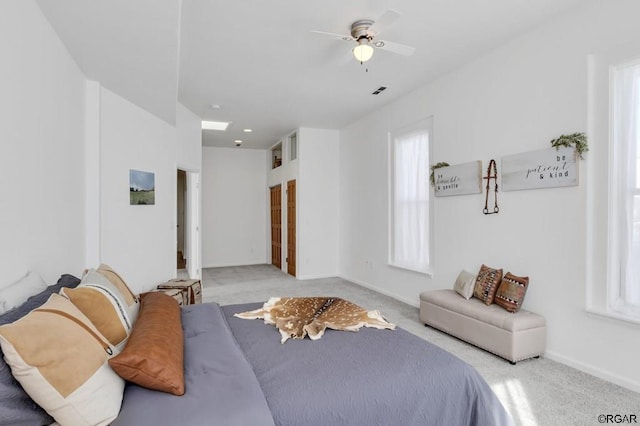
492	314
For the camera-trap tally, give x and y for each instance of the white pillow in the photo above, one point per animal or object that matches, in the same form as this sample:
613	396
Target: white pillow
10	277
18	292
465	284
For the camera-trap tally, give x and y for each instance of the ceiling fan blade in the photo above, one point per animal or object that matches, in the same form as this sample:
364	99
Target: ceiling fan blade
400	49
344	58
334	35
385	21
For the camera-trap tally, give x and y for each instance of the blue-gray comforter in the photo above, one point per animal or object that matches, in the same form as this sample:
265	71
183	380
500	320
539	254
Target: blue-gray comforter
238	373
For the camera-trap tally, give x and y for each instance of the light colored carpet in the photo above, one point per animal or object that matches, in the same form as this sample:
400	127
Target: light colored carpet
536	392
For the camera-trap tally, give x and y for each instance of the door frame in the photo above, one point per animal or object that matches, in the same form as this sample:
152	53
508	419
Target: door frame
192	234
272	189
294	222
181	225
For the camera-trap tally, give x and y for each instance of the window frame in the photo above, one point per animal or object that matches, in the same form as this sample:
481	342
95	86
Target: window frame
616	304
425	124
599	275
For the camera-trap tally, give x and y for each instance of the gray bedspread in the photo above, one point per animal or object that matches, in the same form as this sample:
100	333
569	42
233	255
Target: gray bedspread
220	387
372	377
238	373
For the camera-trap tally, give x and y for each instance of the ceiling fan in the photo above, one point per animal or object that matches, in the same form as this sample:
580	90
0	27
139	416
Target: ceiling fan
365	31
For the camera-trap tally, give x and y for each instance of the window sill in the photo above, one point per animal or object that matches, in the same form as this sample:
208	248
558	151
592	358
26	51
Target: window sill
614	315
427	272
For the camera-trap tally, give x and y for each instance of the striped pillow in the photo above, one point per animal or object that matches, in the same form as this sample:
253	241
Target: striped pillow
105	306
61	361
133	301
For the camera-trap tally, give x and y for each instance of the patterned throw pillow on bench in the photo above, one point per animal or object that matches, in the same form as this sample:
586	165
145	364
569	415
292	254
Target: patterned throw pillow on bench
487	284
510	294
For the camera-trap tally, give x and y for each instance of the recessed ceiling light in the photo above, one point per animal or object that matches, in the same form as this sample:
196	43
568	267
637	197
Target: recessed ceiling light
238	141
214	106
215	125
247	130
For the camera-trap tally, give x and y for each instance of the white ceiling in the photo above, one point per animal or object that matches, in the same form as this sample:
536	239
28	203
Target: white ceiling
260	62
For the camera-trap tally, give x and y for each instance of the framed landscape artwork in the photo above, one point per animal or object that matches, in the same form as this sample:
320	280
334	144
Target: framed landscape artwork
142	188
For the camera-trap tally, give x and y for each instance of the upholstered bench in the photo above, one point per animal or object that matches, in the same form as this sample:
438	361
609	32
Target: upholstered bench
513	336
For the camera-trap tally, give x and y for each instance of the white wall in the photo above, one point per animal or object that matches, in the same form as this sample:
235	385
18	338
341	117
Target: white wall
189	158
41	148
189	149
514	100
137	241
234	206
316	171
67	147
317	203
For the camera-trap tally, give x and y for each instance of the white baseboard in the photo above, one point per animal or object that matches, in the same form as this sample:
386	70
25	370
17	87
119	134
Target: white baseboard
224	265
316	277
415	303
594	371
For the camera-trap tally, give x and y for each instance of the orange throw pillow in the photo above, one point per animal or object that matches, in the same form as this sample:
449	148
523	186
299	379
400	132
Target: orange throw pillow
154	355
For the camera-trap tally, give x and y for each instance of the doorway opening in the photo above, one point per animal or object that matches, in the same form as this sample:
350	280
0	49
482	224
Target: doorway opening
180	215
187	224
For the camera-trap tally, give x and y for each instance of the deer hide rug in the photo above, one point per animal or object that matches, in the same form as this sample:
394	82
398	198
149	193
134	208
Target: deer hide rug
296	317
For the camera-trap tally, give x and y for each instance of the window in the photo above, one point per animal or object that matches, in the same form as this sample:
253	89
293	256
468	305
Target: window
410	217
276	156
623	291
293	146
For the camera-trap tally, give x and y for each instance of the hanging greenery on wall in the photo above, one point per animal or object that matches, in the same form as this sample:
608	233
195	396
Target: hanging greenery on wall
432	177
577	140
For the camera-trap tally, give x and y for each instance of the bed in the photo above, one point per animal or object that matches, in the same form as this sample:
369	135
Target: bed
237	372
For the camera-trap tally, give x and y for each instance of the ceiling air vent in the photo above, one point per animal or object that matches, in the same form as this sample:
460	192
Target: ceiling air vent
379	90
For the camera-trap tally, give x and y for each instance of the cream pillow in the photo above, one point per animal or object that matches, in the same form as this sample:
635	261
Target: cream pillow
104	305
465	283
61	361
18	292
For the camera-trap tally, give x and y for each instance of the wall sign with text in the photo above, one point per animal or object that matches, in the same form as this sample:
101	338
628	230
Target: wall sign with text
546	168
459	179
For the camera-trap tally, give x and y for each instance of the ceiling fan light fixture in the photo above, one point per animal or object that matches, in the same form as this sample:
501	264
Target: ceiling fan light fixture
363	51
